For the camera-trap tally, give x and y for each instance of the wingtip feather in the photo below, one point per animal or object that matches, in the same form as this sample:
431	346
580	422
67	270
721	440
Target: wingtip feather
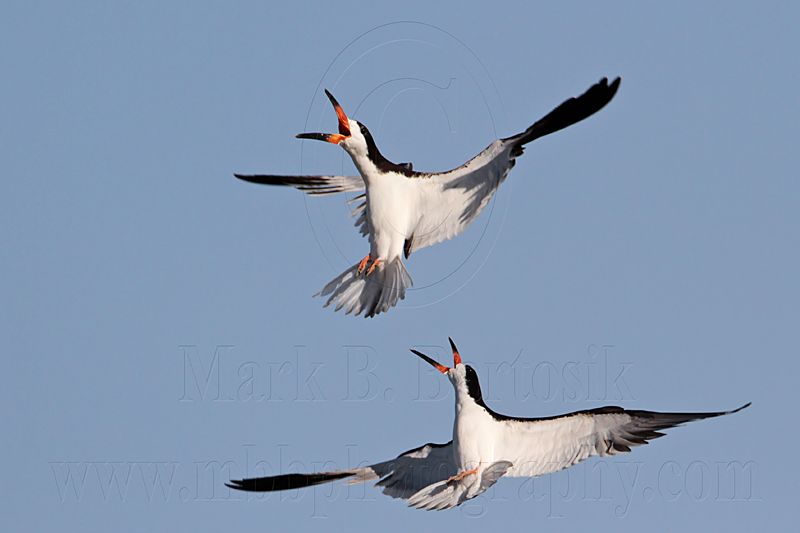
745	406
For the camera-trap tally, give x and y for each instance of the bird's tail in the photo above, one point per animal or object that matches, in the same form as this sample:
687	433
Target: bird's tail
368	294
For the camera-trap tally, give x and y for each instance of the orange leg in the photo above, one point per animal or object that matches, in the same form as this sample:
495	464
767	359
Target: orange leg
462	475
374	266
362	264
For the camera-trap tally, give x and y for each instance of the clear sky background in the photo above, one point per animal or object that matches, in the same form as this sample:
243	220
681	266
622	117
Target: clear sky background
647	257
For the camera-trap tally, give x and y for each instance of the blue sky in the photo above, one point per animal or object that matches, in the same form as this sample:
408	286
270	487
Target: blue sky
158	323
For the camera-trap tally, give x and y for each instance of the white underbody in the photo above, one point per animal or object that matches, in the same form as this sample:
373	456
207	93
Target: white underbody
427	209
392	212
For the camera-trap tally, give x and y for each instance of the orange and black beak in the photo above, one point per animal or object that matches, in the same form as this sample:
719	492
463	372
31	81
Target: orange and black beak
441	368
344	126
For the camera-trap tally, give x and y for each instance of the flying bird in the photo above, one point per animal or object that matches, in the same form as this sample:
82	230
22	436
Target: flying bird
487	445
403	210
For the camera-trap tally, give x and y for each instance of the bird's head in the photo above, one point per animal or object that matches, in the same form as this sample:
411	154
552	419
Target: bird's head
353	136
463	377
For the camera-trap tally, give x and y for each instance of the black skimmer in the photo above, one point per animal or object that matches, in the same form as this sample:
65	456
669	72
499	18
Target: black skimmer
487	445
403	210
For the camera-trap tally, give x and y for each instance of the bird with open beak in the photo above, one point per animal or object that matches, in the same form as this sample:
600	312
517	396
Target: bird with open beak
487	445
402	210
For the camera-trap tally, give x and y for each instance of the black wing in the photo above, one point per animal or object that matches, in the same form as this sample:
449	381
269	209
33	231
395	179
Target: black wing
314	185
285	481
401	477
455	198
568	113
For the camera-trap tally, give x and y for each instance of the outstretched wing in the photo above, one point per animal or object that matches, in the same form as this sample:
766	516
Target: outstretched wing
313	185
541	446
401	477
415	469
453	199
322	185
